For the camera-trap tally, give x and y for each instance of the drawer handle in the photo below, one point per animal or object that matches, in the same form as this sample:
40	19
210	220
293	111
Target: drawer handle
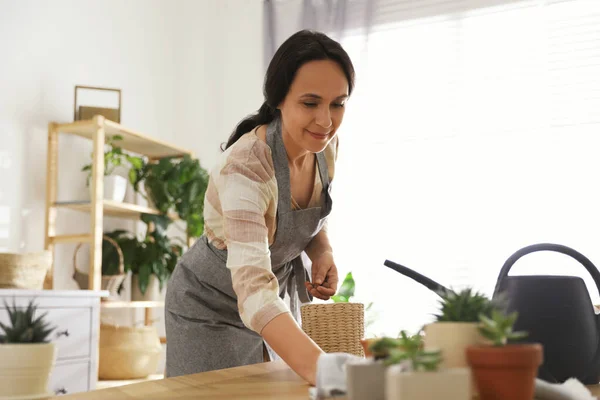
62	390
62	333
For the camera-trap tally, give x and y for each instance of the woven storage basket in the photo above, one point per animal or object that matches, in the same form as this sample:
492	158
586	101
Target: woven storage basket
110	283
24	271
128	352
335	327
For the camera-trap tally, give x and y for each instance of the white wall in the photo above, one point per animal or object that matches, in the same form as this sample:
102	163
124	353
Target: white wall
189	71
221	71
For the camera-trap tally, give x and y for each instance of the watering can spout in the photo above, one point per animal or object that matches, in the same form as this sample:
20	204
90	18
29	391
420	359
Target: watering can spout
429	283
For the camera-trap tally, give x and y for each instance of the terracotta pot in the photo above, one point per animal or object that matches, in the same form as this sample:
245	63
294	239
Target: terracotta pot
365	344
505	373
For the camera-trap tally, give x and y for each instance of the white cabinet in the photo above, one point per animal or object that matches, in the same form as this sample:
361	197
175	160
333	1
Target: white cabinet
76	315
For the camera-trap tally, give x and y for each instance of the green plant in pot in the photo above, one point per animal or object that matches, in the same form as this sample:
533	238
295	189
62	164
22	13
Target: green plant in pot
338	325
174	185
415	373
151	260
27	357
368	379
456	325
115	186
503	369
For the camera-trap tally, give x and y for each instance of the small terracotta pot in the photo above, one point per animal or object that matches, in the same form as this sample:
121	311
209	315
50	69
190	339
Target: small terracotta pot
365	344
505	373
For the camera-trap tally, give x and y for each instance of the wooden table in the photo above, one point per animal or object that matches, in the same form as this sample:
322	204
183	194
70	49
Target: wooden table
272	380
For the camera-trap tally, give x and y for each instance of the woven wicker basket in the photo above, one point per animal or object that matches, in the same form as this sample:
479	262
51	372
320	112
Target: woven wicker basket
24	271
335	327
128	352
111	283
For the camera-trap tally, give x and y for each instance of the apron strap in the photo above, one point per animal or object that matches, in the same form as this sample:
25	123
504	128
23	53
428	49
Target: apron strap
280	161
295	285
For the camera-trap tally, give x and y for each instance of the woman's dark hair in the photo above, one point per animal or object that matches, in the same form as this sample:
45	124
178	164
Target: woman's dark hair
298	49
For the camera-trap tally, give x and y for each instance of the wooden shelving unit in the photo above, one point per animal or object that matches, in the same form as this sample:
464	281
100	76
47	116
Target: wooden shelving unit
98	130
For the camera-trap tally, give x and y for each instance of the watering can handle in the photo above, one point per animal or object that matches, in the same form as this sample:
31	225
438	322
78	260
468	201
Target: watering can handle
547	247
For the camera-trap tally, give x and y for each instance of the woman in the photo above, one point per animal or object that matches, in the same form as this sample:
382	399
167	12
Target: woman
266	203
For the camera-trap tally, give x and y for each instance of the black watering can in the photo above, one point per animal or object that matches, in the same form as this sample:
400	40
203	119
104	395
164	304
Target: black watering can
556	311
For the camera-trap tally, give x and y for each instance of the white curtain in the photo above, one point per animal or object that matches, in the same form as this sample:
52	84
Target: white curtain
473	132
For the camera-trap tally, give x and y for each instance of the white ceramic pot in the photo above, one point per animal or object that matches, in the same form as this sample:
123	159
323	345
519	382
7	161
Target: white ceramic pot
25	369
115	188
365	380
452	383
153	292
452	338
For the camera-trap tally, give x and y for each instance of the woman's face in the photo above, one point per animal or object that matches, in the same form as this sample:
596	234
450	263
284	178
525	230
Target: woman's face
313	109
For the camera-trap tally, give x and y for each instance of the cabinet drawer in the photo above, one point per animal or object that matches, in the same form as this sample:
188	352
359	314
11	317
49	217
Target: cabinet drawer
68	378
73	333
73	330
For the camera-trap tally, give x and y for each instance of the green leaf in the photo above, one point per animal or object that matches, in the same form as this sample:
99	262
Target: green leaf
347	289
144	277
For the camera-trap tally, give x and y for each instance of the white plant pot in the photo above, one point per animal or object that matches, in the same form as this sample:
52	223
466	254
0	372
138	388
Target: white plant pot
452	383
115	188
452	338
25	369
365	380
153	292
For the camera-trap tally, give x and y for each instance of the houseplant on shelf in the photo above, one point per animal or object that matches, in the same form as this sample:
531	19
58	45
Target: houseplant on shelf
27	357
151	260
337	326
504	371
115	186
415	373
456	325
173	185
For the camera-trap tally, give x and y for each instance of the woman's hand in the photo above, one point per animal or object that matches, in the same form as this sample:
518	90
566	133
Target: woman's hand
324	277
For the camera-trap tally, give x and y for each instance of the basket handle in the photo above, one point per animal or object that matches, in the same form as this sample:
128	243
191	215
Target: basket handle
111	241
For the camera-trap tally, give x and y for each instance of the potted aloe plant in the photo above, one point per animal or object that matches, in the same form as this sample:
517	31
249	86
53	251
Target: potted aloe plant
26	356
503	370
456	325
414	373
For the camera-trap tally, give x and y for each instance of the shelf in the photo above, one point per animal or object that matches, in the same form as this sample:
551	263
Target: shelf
132	141
132	304
113	209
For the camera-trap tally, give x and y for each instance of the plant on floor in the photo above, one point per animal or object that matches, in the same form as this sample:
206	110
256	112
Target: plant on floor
174	184
499	328
113	157
24	326
406	348
156	254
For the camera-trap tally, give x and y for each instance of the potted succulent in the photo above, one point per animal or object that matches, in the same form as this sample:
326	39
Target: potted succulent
504	371
115	186
456	325
415	373
27	357
337	326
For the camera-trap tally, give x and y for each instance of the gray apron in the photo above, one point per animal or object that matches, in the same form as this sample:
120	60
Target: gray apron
203	326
